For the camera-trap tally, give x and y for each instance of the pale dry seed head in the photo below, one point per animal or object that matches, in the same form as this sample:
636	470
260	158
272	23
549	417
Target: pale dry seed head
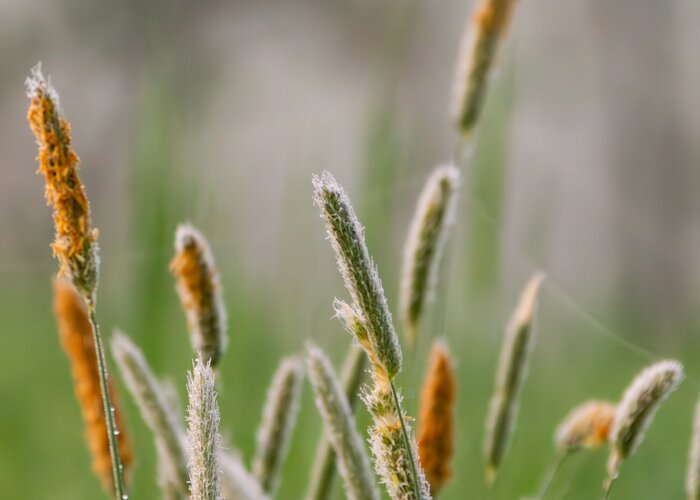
436	420
637	409
586	426
332	403
157	412
395	461
203	433
200	293
358	270
279	418
77	342
75	244
425	243
512	368
692	483
477	54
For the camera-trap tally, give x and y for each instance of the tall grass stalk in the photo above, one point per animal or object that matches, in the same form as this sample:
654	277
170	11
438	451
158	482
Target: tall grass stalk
369	320
75	244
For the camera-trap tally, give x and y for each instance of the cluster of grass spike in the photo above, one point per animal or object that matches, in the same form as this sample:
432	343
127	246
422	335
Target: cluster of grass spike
192	461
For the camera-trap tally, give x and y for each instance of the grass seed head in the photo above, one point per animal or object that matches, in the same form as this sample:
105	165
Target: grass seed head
200	293
586	426
203	433
394	459
475	61
425	243
358	271
279	418
637	409
77	342
75	244
436	421
512	368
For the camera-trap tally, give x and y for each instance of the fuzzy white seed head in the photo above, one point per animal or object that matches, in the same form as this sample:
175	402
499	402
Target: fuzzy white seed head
425	244
203	433
279	417
638	406
358	269
394	459
512	369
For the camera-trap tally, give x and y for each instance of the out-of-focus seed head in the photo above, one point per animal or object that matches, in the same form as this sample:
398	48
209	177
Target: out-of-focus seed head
436	421
197	283
425	244
637	409
586	426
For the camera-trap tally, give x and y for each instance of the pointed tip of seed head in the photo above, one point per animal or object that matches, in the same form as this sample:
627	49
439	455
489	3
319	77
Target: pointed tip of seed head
36	84
325	183
528	299
186	234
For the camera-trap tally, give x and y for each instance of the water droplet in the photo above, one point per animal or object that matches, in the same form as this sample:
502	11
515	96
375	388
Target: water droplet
112	409
116	432
125	497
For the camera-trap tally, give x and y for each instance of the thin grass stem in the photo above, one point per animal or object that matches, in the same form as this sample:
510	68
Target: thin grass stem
407	441
547	486
112	431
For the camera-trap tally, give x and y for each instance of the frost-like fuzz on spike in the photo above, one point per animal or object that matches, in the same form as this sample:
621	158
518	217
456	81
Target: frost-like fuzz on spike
512	368
77	341
476	58
200	293
156	411
637	409
236	482
436	422
203	433
323	470
75	244
394	461
332	404
586	426
424	246
279	417
358	270
692	483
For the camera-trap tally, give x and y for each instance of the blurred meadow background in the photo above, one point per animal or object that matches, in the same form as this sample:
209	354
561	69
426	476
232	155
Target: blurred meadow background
585	166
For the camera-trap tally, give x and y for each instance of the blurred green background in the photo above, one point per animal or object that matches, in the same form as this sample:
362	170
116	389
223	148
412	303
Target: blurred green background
218	113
